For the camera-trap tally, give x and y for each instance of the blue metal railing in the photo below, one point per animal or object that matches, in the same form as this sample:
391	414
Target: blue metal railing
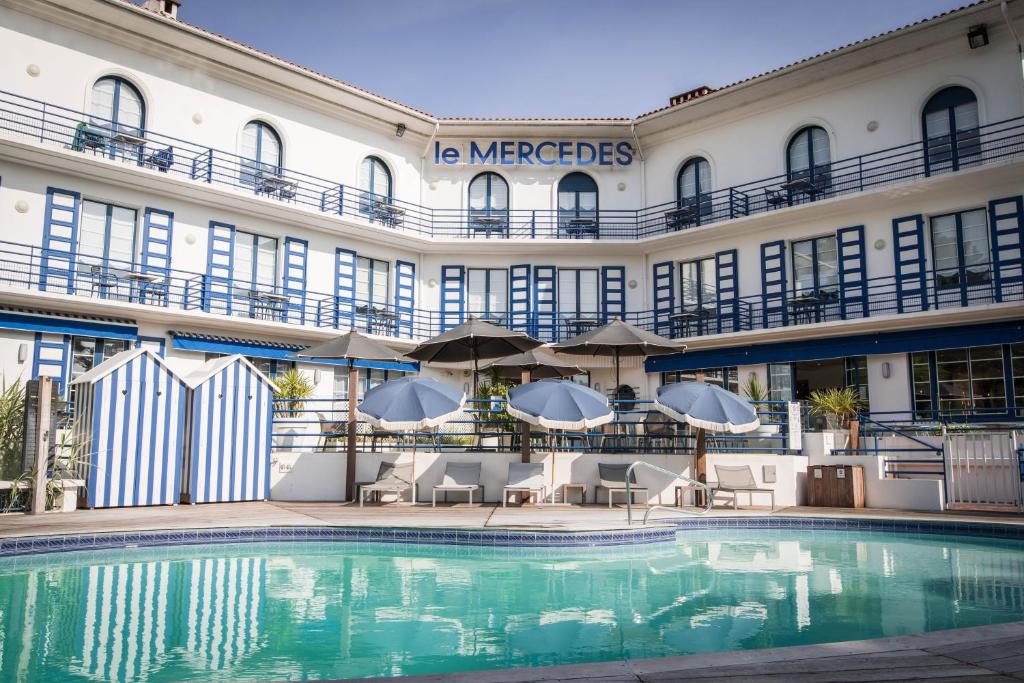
27	118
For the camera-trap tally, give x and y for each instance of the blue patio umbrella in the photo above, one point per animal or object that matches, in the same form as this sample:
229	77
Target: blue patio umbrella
706	407
558	404
411	404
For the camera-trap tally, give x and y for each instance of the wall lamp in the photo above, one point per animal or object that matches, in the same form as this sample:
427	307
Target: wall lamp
400	128
977	36
886	370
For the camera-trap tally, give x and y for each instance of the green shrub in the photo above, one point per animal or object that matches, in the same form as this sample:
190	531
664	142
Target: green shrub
293	386
12	428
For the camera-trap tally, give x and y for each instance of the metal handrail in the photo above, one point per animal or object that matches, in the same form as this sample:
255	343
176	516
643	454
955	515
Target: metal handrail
675	475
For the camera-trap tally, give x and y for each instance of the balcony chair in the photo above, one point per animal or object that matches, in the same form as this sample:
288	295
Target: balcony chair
459	477
162	159
775	198
88	137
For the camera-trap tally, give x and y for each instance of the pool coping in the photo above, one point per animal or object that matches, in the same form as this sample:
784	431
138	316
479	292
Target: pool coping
664	531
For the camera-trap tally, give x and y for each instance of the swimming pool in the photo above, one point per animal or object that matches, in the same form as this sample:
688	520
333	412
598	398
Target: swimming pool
315	609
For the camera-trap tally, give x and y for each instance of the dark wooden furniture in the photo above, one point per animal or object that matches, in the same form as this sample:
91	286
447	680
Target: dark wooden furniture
835	486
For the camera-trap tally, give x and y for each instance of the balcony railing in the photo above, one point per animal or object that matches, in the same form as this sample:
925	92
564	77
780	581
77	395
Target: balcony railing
31	268
23	117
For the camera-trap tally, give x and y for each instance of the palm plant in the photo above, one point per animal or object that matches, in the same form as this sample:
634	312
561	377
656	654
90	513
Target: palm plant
64	462
293	387
12	427
756	393
837	406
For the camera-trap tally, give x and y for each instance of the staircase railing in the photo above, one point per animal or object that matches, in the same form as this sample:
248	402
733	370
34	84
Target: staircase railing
676	476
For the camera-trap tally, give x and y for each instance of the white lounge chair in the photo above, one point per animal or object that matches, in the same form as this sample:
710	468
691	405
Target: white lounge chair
736	479
525	478
391	478
613	480
459	476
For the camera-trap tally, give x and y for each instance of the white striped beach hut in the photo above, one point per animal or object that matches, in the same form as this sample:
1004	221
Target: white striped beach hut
229	417
130	425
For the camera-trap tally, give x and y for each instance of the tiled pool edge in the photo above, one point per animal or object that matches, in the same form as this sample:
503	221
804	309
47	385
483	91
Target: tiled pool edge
665	532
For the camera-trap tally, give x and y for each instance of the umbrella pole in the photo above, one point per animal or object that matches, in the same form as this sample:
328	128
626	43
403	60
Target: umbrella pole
350	441
615	398
414	435
524	427
554	445
700	466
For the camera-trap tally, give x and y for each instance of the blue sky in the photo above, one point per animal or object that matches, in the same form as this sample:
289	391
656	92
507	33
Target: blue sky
548	57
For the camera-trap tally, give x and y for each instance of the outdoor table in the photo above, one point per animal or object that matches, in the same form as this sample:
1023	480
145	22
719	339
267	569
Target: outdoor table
379	321
681	321
580	325
490	224
275	184
680	490
677	218
270	306
134	143
137	282
582	488
806	308
580	227
389	214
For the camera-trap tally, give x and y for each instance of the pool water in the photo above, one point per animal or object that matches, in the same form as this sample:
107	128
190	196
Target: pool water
345	610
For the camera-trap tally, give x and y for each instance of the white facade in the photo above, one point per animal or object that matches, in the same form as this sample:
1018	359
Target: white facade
200	91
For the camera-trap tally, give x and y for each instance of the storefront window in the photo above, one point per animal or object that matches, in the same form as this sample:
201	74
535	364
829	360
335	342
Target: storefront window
969	382
723	377
780	382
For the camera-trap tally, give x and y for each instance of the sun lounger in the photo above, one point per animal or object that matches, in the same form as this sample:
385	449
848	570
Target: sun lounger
459	476
739	478
613	480
526	479
391	478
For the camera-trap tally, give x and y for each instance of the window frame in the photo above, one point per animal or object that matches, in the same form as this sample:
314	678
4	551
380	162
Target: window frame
252	280
565	215
962	279
816	265
972	412
701	199
813	170
577	312
370	262
250	167
114	122
107	229
702	304
947	99
374	160
488	278
489	211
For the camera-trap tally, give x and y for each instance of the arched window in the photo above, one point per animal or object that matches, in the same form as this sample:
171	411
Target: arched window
375	181
577	205
117	104
261	154
693	193
808	162
488	203
950	124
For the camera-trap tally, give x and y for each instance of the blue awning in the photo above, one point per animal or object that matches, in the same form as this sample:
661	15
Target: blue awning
903	341
190	341
66	323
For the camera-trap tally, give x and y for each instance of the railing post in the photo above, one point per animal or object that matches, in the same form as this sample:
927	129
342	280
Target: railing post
209	165
341	200
42	124
732	203
533	224
860	172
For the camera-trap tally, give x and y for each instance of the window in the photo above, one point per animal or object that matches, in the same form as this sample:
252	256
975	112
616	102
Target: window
118	104
960	381
1017	371
577	202
960	248
88	352
693	187
950	124
577	293
106	235
727	378
261	152
255	261
488	198
487	290
372	281
368	378
697	285
375	179
857	376
808	157
780	382
816	266
268	366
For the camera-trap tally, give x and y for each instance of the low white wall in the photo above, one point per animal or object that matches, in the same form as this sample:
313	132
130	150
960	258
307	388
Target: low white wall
305	475
879	491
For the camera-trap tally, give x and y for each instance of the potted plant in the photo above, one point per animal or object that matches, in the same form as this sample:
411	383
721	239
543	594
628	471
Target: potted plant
293	388
496	390
757	394
839	408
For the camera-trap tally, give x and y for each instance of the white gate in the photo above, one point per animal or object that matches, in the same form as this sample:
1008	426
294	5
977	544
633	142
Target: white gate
983	471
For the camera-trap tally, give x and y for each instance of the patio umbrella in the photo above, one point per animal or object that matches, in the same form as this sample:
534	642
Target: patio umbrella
411	404
527	366
351	347
618	339
558	404
473	340
706	407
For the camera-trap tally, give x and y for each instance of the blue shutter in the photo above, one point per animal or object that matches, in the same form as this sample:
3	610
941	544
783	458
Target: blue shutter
293	279
453	296
60	239
219	265
773	284
157	231
911	277
853	283
344	288
50	358
519	297
405	296
1006	221
727	290
664	296
613	292
545	302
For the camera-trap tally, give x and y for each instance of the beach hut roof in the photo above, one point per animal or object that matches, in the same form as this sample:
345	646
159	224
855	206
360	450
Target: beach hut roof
119	360
215	365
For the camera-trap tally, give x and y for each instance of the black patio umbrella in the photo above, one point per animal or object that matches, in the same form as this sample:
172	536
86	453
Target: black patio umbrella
530	365
474	340
618	339
352	347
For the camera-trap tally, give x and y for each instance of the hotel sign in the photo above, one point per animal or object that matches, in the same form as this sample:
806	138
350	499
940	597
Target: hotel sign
529	153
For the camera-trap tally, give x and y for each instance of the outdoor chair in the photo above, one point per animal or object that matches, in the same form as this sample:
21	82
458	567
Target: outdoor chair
775	198
462	477
658	427
526	479
736	479
330	429
161	159
613	480
391	478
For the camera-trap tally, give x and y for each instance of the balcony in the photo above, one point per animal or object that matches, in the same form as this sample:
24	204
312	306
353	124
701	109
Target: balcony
26	118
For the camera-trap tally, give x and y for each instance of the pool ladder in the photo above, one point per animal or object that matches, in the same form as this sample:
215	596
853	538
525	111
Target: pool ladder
675	475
